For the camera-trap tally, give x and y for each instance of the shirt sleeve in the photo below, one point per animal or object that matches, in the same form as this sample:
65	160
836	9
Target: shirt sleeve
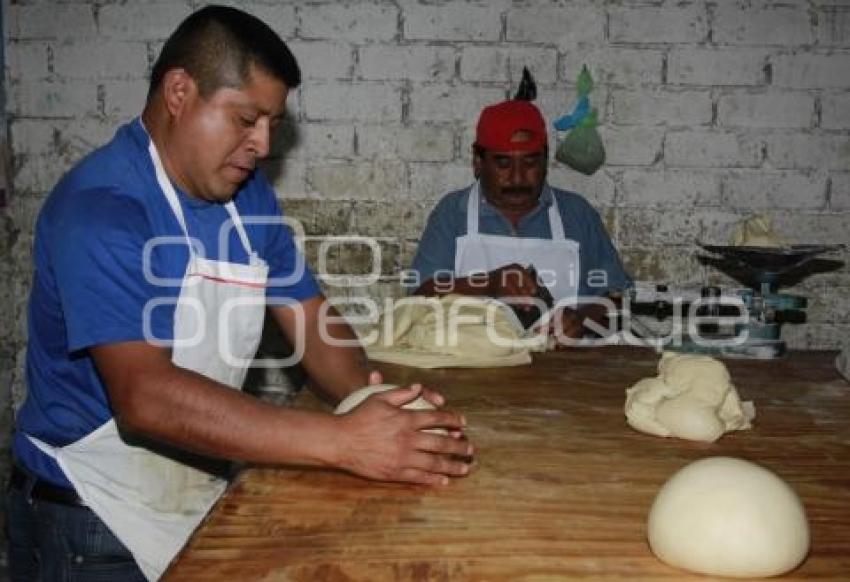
436	251
602	270
96	241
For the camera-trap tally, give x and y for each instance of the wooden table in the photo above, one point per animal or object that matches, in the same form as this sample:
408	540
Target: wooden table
561	489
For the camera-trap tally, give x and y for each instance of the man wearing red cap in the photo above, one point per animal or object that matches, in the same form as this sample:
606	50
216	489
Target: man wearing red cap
484	239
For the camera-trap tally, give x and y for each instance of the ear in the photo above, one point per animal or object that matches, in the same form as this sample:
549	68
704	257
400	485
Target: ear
476	162
178	89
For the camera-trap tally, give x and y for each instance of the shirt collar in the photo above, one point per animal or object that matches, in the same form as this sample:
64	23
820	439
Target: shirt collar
544	202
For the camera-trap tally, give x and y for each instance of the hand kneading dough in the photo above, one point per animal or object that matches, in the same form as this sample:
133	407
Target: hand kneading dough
756	231
691	398
358	396
728	517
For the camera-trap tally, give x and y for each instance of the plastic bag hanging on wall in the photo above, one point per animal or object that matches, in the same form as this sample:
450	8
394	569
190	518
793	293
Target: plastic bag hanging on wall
581	149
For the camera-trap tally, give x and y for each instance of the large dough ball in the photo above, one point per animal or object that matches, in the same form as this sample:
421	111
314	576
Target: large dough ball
728	517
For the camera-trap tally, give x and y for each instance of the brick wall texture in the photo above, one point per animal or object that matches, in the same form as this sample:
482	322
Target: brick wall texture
709	111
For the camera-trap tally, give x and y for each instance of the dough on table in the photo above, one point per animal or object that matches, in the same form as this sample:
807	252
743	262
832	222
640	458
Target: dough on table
691	398
756	231
451	331
728	517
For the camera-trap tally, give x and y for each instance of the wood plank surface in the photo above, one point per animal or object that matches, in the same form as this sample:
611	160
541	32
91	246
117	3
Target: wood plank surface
560	490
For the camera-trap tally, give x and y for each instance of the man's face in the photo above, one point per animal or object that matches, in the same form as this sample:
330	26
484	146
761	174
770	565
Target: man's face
512	181
217	141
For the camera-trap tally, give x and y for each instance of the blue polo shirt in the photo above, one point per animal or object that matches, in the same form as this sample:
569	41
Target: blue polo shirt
92	279
601	269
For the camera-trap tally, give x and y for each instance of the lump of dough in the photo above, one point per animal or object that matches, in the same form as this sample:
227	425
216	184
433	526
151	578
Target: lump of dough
728	517
756	231
691	398
358	396
454	325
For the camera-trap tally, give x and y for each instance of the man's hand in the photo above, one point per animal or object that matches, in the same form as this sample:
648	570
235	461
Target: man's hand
512	280
570	324
432	396
383	441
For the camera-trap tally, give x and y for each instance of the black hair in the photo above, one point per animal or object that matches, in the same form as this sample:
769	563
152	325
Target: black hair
218	45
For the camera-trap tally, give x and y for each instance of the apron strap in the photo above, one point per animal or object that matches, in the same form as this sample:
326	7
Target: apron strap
472	210
240	230
170	194
556	225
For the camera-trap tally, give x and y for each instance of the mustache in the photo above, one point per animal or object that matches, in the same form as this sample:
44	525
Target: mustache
517	191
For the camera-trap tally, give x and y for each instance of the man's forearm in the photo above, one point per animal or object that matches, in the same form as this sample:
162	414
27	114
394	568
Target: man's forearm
154	398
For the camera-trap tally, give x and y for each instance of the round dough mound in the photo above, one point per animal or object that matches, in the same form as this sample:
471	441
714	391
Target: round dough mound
728	517
358	396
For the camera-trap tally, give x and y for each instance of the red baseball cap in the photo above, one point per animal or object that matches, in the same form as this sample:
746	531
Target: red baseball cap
498	125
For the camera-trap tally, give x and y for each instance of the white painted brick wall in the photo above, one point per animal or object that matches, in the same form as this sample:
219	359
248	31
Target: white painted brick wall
364	21
810	71
99	59
835	111
766	109
352	102
447	103
663	187
700	66
809	151
426	143
411	62
840	192
714	149
615	66
325	140
670	24
72	98
455	21
281	17
152	19
759	25
774	189
28	60
565	26
49	20
323	59
483	63
833	26
632	145
123	100
368	180
662	106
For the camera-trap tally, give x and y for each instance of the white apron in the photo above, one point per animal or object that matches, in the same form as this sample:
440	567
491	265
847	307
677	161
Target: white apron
150	502
556	260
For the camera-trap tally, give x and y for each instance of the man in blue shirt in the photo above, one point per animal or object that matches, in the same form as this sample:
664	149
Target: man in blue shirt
510	232
156	258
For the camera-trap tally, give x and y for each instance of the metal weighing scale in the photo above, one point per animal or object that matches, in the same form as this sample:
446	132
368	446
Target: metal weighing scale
742	322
